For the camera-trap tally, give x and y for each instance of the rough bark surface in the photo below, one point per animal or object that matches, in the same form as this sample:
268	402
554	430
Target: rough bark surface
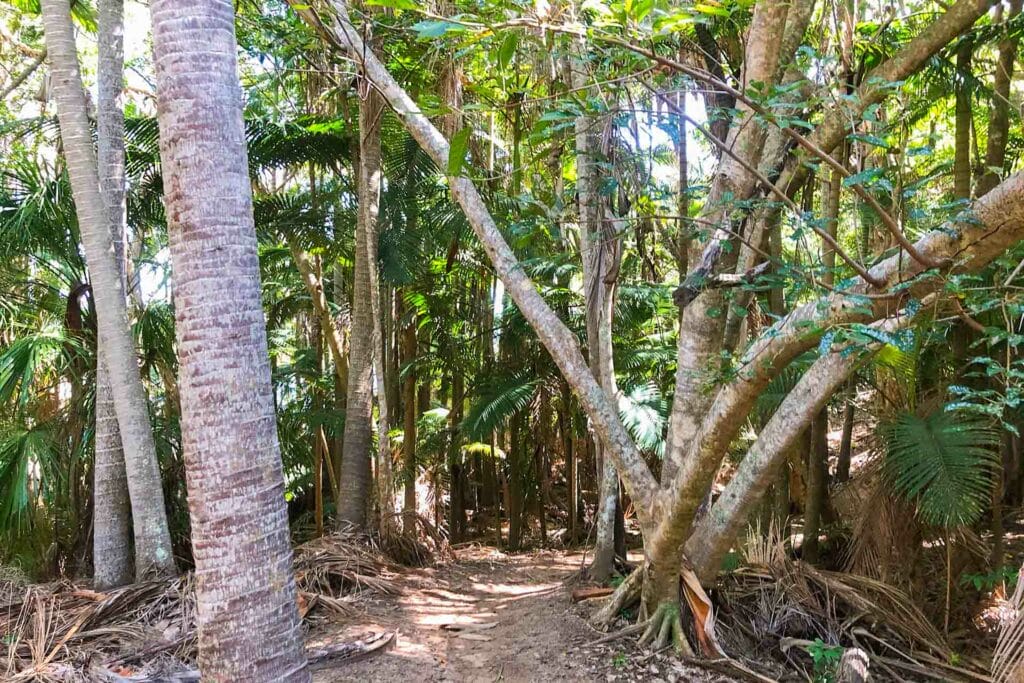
116	347
600	250
245	589
355	466
112	527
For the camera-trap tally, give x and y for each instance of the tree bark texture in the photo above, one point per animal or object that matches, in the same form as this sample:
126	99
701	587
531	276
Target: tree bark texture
245	589
112	526
355	466
116	346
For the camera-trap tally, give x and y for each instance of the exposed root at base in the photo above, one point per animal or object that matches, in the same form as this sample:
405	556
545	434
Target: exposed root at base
664	628
625	595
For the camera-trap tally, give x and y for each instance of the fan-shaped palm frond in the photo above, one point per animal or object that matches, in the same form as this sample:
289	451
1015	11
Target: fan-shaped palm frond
943	462
28	459
29	356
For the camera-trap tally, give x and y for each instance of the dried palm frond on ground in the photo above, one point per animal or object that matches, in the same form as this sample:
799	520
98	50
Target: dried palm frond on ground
772	612
1008	659
420	546
65	632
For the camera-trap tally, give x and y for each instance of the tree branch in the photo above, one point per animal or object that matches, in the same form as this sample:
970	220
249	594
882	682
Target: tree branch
556	337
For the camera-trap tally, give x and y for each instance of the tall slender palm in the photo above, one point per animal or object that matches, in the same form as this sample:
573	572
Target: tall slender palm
245	589
354	487
111	521
152	538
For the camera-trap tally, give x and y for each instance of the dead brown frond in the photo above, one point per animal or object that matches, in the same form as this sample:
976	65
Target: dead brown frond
767	609
147	630
423	544
1008	659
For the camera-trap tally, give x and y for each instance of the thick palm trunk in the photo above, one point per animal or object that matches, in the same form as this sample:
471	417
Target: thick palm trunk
112	528
116	347
245	589
355	466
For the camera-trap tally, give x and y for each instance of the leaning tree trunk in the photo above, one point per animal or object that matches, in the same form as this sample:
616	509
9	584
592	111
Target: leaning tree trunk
116	347
666	511
245	589
112	527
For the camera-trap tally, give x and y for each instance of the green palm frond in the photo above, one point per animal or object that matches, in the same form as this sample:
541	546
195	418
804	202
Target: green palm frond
943	462
29	459
644	412
771	398
28	358
494	405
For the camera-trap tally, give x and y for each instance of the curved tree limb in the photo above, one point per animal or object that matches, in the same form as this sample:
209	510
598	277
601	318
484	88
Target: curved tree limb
556	337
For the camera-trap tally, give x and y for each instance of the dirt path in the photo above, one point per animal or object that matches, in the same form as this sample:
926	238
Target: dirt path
519	626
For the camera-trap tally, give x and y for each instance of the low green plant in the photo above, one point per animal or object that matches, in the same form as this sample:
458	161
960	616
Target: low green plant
987	582
826	660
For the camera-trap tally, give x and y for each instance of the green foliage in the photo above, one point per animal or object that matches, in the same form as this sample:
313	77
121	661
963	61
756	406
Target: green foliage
826	660
943	462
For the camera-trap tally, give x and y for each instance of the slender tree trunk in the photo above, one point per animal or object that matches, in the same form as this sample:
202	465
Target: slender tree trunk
355	466
817	486
112	528
601	253
999	119
962	146
116	347
245	589
409	405
457	505
846	443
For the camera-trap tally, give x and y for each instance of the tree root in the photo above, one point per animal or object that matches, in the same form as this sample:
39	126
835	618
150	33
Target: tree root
664	628
625	595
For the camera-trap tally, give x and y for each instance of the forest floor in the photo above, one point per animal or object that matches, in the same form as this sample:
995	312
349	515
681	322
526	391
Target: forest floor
489	616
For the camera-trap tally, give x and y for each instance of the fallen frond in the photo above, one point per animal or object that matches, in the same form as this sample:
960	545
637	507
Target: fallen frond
67	632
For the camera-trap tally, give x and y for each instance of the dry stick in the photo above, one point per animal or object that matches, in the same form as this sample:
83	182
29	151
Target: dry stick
769	185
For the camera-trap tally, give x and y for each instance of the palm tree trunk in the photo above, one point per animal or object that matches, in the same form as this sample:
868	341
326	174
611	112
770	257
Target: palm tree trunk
355	466
409	425
245	589
112	528
962	147
116	347
999	119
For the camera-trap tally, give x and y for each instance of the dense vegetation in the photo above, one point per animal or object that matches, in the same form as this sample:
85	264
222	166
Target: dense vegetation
676	274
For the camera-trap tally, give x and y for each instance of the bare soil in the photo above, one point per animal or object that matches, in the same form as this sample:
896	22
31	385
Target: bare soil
493	617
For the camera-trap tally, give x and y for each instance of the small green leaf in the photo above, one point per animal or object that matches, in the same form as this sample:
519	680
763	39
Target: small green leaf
425	30
457	152
507	50
394	4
